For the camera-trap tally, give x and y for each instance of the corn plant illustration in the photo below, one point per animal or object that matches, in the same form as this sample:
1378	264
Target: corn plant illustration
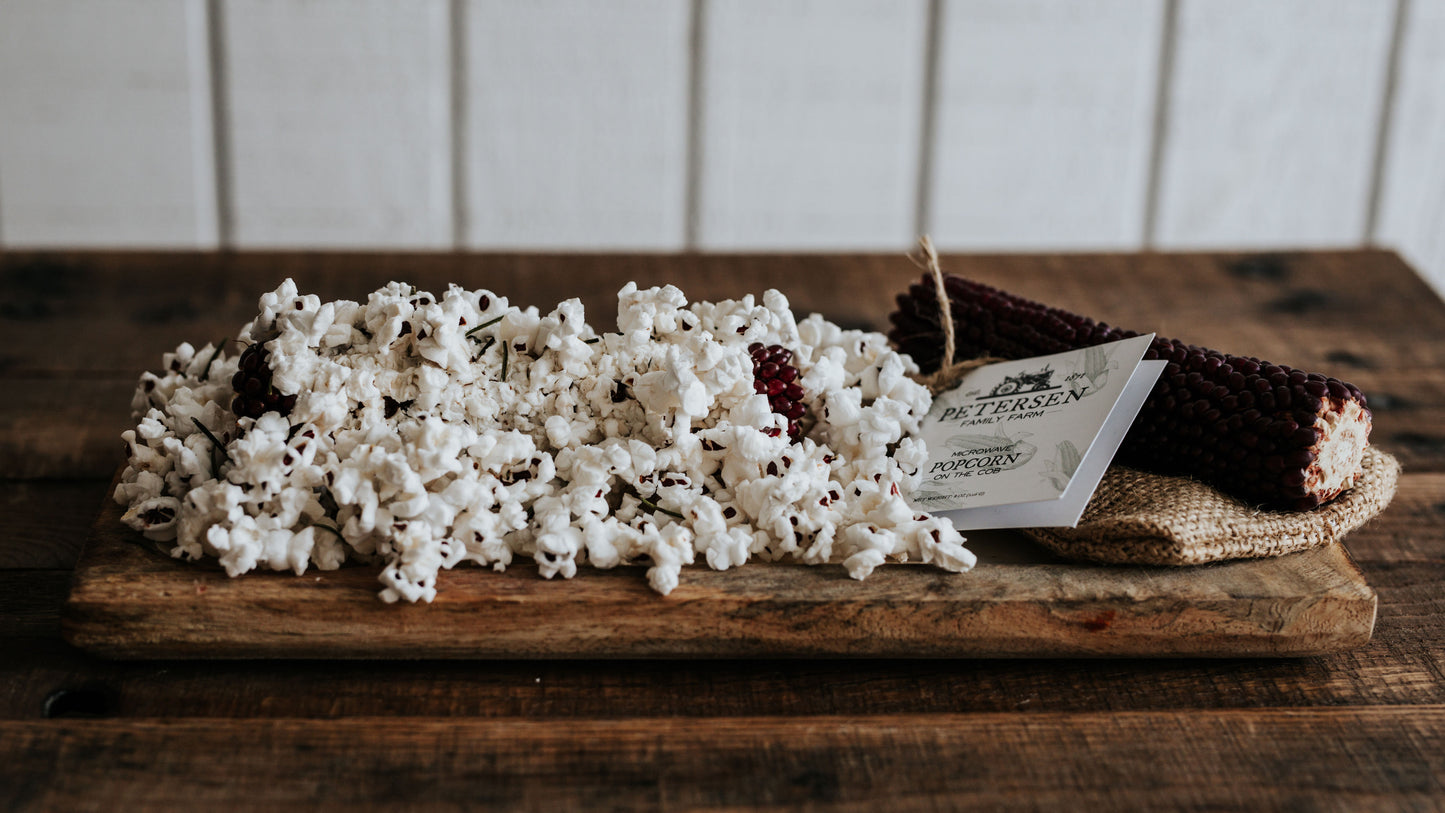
1060	470
1091	373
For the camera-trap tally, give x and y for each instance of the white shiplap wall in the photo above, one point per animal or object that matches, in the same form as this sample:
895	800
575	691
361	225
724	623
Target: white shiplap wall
338	115
575	124
1273	117
1045	117
105	124
810	126
1412	191
724	124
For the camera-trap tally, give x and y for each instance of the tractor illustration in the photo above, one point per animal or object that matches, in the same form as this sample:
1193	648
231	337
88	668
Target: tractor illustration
1024	382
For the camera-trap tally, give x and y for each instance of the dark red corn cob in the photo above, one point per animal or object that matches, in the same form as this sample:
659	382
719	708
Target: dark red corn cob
1266	433
252	382
776	377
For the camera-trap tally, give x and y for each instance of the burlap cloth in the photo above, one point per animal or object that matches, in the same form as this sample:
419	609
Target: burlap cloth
1139	518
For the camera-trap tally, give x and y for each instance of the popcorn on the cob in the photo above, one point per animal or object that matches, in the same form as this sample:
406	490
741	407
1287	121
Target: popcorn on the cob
1267	433
776	377
255	396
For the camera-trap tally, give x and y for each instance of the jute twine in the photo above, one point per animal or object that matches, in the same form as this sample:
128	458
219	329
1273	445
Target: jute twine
1141	518
949	372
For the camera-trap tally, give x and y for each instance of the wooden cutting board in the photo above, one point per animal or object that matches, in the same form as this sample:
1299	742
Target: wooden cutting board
129	601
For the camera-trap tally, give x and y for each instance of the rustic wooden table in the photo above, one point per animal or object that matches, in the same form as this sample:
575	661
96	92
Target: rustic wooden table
1361	728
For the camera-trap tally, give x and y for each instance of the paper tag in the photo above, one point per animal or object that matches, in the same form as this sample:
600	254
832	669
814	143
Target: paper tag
1025	443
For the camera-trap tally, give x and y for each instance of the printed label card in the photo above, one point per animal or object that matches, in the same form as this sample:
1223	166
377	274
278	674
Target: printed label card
1025	443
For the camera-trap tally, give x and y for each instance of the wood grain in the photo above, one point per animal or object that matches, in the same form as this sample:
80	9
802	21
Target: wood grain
1361	315
1366	307
64	428
44	524
129	602
1400	554
1356	757
1401	665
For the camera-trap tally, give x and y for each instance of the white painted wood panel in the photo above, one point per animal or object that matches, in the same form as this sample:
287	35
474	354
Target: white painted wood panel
575	123
1044	122
811	112
1412	195
105	124
338	116
1273	122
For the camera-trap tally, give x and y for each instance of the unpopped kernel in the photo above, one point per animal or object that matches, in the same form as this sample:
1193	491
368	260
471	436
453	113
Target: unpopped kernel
416	433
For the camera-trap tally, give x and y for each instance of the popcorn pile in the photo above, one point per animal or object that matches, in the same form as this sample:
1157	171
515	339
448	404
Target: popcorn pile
418	432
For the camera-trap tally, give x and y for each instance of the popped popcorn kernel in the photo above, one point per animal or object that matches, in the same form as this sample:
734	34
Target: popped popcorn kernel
416	433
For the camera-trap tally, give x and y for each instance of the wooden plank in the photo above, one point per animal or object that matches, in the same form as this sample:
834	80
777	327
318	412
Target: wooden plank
575	124
1044	123
1413	616
64	428
1415	530
1403	664
810	124
30	607
1272	122
1317	758
1412	202
338	121
43	524
1359	310
106	139
130	602
91	298
1360	315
